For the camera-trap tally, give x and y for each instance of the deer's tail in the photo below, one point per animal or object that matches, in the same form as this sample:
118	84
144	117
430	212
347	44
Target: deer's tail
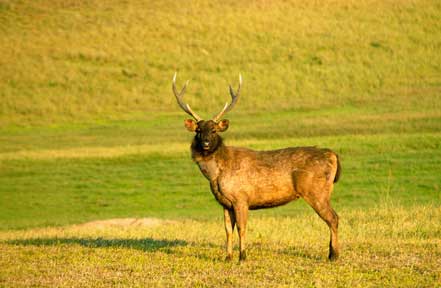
337	174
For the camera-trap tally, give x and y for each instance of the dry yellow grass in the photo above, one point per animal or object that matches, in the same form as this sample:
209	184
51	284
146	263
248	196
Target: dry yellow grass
82	60
387	246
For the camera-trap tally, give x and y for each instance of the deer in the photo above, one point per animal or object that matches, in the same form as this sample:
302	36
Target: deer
242	179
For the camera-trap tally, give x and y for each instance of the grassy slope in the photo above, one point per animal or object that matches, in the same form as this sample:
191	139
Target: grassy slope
89	130
74	60
367	80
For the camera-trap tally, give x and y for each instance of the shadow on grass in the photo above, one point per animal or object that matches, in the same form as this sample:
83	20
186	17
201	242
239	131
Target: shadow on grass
292	251
146	244
301	253
151	245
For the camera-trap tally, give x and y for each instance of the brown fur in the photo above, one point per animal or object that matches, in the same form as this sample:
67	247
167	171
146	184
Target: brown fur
242	179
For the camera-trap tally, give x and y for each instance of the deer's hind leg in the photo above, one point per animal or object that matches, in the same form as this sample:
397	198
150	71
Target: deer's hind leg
317	194
322	207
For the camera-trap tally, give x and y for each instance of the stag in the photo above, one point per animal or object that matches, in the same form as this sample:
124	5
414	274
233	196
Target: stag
242	179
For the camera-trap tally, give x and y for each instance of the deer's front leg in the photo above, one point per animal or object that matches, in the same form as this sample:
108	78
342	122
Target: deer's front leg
241	214
230	221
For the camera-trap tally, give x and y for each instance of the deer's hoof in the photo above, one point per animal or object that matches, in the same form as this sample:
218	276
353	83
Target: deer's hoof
243	256
333	256
229	258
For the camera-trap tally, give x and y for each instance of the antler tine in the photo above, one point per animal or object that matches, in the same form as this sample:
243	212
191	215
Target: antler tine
179	96
234	98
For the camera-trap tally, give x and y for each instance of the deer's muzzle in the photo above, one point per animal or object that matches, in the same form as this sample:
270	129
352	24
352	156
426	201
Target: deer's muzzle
206	145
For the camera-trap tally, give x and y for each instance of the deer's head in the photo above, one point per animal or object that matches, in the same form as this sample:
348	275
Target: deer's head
206	138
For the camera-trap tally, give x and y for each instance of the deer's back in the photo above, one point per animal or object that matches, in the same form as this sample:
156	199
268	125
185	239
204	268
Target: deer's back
272	178
243	159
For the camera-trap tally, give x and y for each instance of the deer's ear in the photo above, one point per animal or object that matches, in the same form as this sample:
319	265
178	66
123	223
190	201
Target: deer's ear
223	125
190	125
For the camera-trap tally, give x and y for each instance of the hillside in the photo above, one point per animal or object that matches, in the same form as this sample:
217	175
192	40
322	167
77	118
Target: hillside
83	61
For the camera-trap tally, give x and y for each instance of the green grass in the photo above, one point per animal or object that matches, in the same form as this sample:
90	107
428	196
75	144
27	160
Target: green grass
77	185
89	129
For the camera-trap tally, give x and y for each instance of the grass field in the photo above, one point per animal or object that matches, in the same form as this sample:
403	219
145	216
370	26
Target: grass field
388	246
89	130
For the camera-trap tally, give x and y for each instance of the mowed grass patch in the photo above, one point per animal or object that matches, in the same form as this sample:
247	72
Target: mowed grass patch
41	188
382	246
167	129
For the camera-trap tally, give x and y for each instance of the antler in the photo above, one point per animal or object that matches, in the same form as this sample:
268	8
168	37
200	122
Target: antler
183	105
234	97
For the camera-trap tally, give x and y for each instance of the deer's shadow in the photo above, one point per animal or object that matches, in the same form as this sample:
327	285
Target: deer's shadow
152	245
145	244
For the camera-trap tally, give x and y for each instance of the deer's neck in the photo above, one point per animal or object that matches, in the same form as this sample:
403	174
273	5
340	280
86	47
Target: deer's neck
210	163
